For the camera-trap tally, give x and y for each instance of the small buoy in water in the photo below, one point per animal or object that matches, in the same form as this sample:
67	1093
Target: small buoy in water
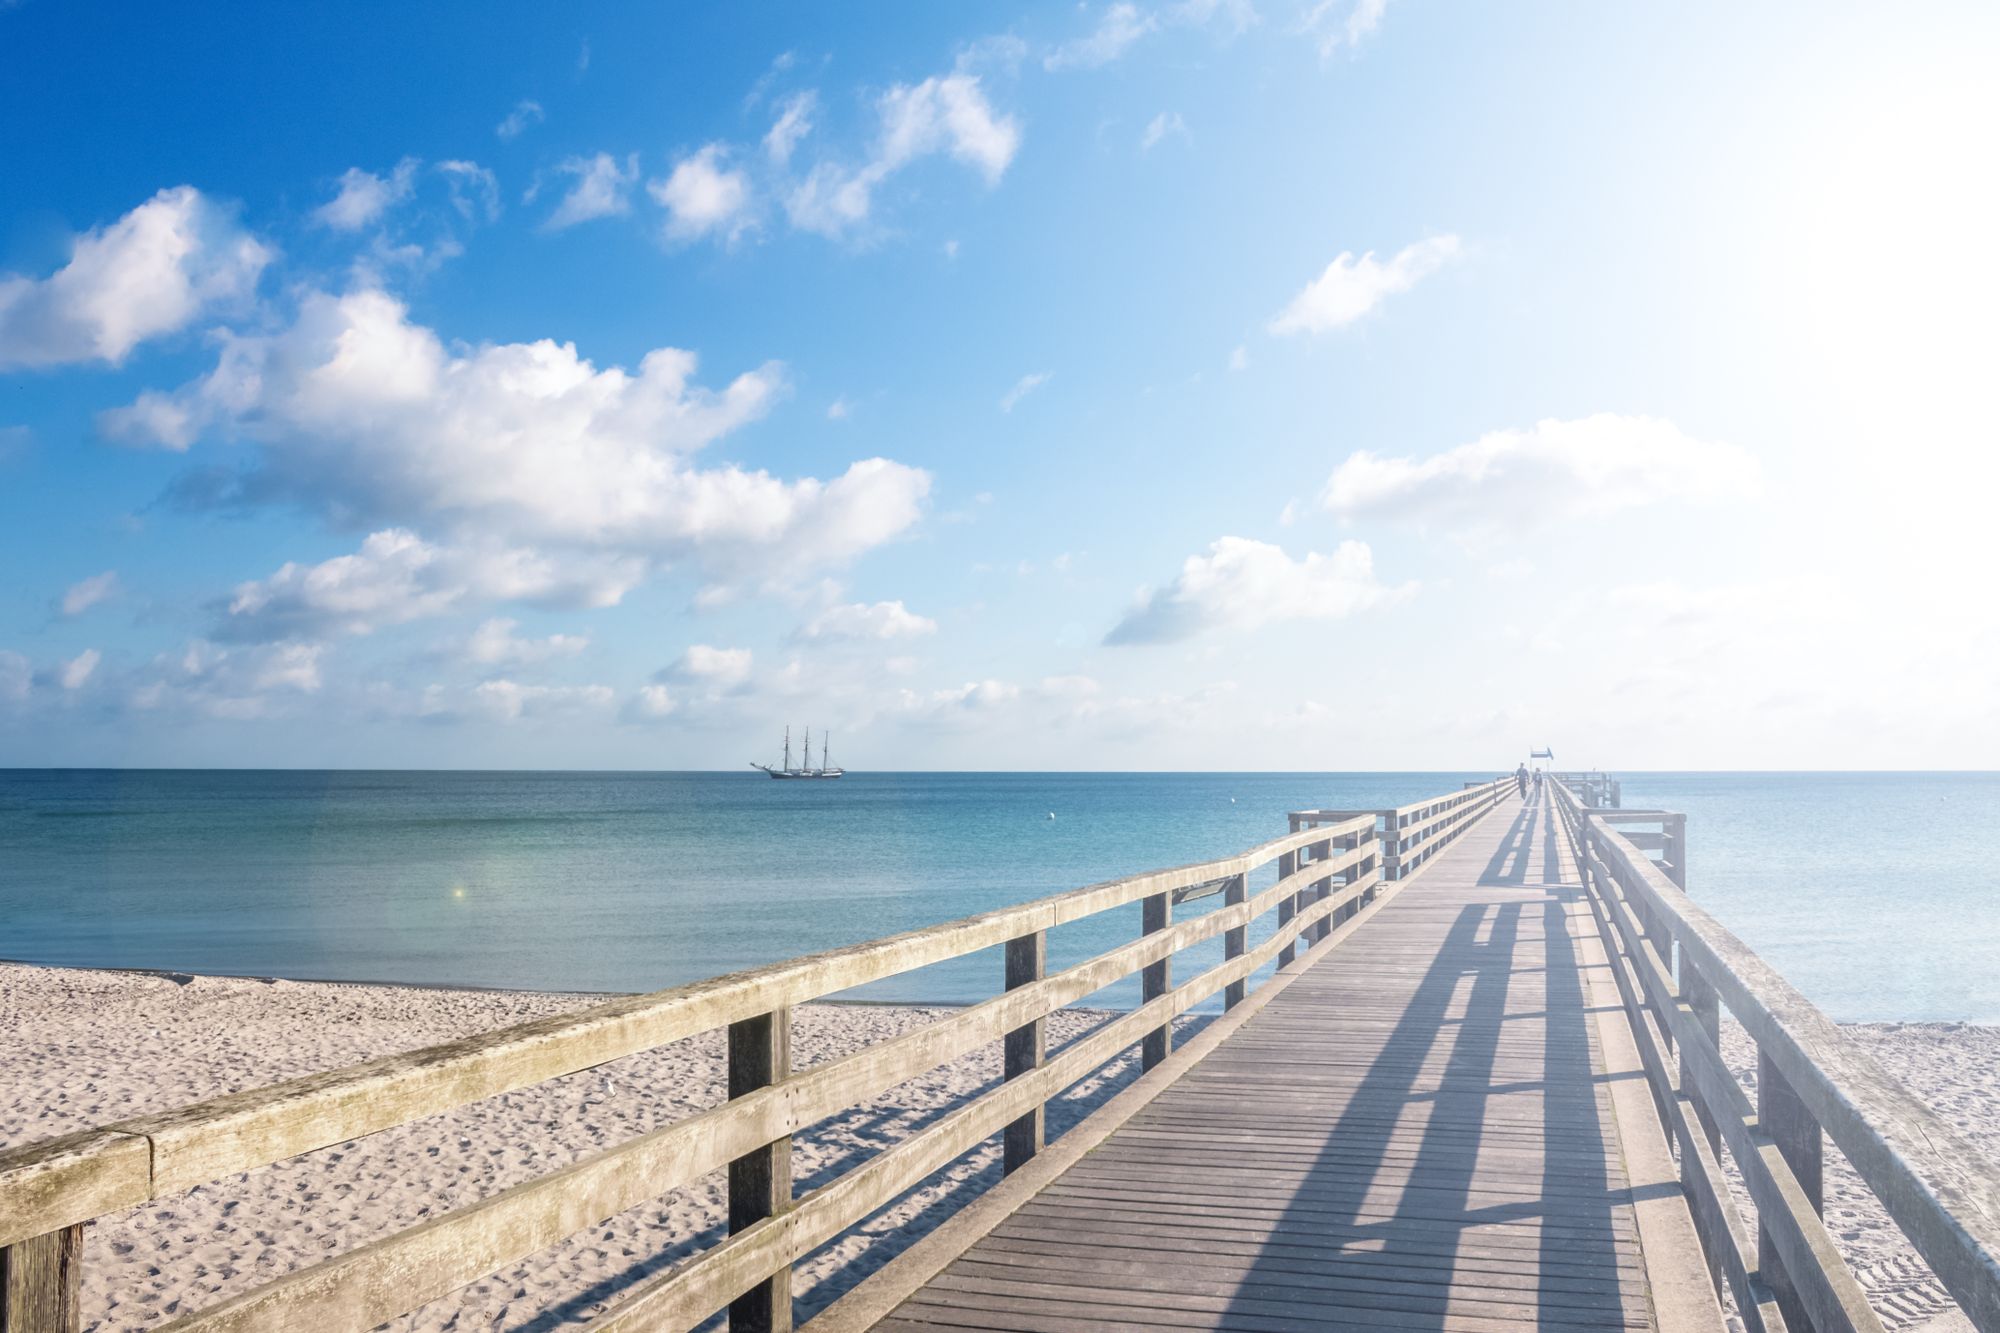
1052	814
1232	800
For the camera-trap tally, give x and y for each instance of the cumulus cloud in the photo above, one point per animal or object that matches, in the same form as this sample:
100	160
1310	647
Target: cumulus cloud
704	195
509	700
1121	25
650	703
235	684
495	643
72	675
716	668
859	620
1515	481
603	188
794	122
363	196
1350	287
374	420
1243	584
524	115
944	114
83	595
155	271
397	577
1024	386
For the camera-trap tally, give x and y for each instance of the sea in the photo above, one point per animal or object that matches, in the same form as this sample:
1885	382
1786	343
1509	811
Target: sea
1876	894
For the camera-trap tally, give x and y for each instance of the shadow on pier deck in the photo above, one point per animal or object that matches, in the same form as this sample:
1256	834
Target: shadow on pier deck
1439	1126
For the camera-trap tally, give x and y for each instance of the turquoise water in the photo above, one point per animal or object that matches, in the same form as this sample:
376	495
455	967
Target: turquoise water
1873	892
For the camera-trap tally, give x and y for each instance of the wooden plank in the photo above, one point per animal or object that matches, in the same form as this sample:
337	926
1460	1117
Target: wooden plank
1024	1049
41	1283
760	1182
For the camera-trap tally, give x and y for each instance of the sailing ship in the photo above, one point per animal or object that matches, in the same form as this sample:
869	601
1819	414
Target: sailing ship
825	770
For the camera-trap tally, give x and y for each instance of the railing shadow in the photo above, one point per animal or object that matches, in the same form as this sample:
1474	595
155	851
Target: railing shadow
1477	1161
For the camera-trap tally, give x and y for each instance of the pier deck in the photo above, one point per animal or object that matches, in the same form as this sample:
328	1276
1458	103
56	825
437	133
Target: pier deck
1422	1131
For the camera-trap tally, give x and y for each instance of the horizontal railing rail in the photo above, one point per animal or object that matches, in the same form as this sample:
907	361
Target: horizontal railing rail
1412	834
1326	871
1676	969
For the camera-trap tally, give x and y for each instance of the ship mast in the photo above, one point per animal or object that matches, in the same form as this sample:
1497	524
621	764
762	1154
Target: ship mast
822	751
806	756
788	747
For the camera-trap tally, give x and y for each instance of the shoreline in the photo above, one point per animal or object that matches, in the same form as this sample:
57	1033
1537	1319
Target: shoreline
97	1045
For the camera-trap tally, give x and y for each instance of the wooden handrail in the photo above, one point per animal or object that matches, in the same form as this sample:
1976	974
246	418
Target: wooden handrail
1938	1188
1327	870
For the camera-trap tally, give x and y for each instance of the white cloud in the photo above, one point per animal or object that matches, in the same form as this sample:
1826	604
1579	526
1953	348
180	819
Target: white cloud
78	669
158	269
364	197
651	703
944	114
1240	358
235	684
1167	122
475	191
1337	23
839	409
1514	481
1350	287
494	643
1024	386
397	577
375	420
83	595
1242	584
1121	26
603	188
524	114
860	620
703	195
717	668
509	701
794	122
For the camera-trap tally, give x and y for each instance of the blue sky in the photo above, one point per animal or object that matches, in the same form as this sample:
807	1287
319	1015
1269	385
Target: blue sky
1190	385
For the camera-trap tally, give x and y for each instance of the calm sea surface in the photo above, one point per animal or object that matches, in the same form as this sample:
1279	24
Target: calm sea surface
1874	893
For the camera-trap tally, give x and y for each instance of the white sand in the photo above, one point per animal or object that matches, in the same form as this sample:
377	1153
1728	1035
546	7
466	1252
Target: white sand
88	1048
1954	1068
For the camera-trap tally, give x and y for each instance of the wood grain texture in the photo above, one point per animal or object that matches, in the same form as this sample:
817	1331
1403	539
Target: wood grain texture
1414	1133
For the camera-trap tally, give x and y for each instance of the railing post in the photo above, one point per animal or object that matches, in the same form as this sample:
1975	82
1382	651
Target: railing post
760	1183
40	1283
1676	829
1233	941
1323	887
1792	1127
1288	907
1702	1001
1024	1048
1156	913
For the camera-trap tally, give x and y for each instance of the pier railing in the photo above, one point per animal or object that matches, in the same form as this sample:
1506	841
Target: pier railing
1328	868
1677	968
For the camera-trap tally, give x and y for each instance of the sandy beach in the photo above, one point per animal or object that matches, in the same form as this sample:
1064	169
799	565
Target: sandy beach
92	1047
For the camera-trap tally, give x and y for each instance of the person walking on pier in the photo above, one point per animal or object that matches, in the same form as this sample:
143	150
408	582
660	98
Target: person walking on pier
1521	780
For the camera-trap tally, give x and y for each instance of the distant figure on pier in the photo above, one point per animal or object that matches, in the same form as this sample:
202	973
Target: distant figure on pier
1521	780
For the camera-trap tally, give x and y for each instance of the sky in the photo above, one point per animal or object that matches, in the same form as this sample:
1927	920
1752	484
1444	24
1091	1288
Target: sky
1205	384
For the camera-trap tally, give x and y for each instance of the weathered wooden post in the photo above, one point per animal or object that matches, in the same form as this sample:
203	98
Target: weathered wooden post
40	1283
1288	907
1024	1048
1676	830
1156	913
760	1183
1323	887
1792	1127
1233	941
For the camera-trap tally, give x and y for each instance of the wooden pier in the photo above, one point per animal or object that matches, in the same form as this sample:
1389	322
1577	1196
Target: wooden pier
1466	1078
